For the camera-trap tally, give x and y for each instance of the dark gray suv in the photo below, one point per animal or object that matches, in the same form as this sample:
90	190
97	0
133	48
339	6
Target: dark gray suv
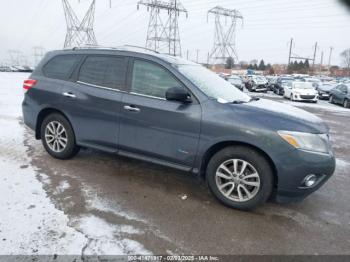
172	112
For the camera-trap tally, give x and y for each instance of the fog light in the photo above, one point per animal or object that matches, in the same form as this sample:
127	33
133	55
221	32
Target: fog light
310	180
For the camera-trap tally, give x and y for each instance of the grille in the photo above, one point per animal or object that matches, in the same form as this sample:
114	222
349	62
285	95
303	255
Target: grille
307	97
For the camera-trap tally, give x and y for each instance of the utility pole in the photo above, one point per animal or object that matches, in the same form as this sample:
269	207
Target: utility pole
297	57
224	39
290	50
187	54
321	62
208	57
79	33
163	35
330	56
314	59
197	56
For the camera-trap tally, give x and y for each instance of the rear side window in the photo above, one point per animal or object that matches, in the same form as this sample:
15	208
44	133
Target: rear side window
105	71
61	67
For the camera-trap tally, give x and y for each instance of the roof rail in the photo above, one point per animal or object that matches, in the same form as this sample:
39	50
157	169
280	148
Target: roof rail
91	47
144	48
121	48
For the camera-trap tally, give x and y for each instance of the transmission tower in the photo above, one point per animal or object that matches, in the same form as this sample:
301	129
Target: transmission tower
79	32
15	56
224	41
163	33
38	53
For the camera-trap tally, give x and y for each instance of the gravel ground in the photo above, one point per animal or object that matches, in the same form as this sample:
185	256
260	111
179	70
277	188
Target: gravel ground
98	203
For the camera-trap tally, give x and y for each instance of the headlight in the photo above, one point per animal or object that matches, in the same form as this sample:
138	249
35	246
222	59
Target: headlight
306	141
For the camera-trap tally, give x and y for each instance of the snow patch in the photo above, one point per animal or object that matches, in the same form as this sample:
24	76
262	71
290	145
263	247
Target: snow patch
105	238
29	222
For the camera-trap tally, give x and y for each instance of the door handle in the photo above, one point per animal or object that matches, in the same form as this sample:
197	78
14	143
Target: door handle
132	108
69	94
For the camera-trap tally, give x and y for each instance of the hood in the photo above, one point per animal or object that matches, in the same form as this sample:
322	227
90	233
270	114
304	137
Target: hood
279	116
325	88
305	91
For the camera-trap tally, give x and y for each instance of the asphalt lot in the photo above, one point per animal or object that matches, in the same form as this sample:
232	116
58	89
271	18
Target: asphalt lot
110	200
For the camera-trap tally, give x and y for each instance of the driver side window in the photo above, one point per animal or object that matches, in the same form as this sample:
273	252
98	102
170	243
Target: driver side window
151	80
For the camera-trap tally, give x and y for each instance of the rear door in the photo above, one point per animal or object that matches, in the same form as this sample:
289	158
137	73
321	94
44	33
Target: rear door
93	101
156	128
343	93
337	94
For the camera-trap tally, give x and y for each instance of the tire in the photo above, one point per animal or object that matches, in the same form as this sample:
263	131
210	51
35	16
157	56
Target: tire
346	103
256	163
55	122
331	100
291	97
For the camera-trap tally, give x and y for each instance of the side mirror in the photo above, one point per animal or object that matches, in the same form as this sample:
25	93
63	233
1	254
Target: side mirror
178	94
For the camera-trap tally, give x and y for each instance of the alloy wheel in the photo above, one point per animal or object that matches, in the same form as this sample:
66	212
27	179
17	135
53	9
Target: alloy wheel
237	180
56	136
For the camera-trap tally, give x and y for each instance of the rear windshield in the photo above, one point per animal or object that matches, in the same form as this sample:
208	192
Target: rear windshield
61	67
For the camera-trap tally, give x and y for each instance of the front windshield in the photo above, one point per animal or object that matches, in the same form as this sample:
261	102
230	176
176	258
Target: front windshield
211	84
326	87
303	85
260	78
235	81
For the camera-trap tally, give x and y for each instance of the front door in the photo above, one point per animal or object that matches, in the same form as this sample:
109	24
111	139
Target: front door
154	127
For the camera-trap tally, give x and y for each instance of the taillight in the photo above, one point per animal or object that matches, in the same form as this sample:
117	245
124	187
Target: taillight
28	83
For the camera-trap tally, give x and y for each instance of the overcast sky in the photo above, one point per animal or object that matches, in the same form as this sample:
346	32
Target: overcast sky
268	26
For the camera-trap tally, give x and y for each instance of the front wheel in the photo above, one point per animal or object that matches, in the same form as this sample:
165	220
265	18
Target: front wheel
240	177
346	103
58	137
331	100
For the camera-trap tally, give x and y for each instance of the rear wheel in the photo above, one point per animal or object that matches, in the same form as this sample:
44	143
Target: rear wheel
331	100
240	177
346	103
58	137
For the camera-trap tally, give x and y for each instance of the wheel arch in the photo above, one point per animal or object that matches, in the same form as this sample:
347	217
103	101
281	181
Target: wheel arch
221	145
41	116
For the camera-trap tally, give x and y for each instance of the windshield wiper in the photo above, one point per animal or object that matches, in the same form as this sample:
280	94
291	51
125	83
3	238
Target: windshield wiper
238	102
254	98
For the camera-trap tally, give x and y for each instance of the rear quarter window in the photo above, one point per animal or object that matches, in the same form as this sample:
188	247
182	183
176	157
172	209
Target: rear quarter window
61	67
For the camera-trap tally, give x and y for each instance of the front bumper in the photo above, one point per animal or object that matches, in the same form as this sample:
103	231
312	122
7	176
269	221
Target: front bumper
299	97
323	96
259	88
292	172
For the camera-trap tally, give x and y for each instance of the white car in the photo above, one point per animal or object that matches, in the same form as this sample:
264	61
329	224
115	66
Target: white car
301	91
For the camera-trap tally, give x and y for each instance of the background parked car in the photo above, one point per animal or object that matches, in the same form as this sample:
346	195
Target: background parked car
300	91
324	90
315	81
258	84
236	81
278	88
271	81
340	95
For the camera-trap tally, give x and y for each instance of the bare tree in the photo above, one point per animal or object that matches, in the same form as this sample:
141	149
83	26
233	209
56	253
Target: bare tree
346	59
